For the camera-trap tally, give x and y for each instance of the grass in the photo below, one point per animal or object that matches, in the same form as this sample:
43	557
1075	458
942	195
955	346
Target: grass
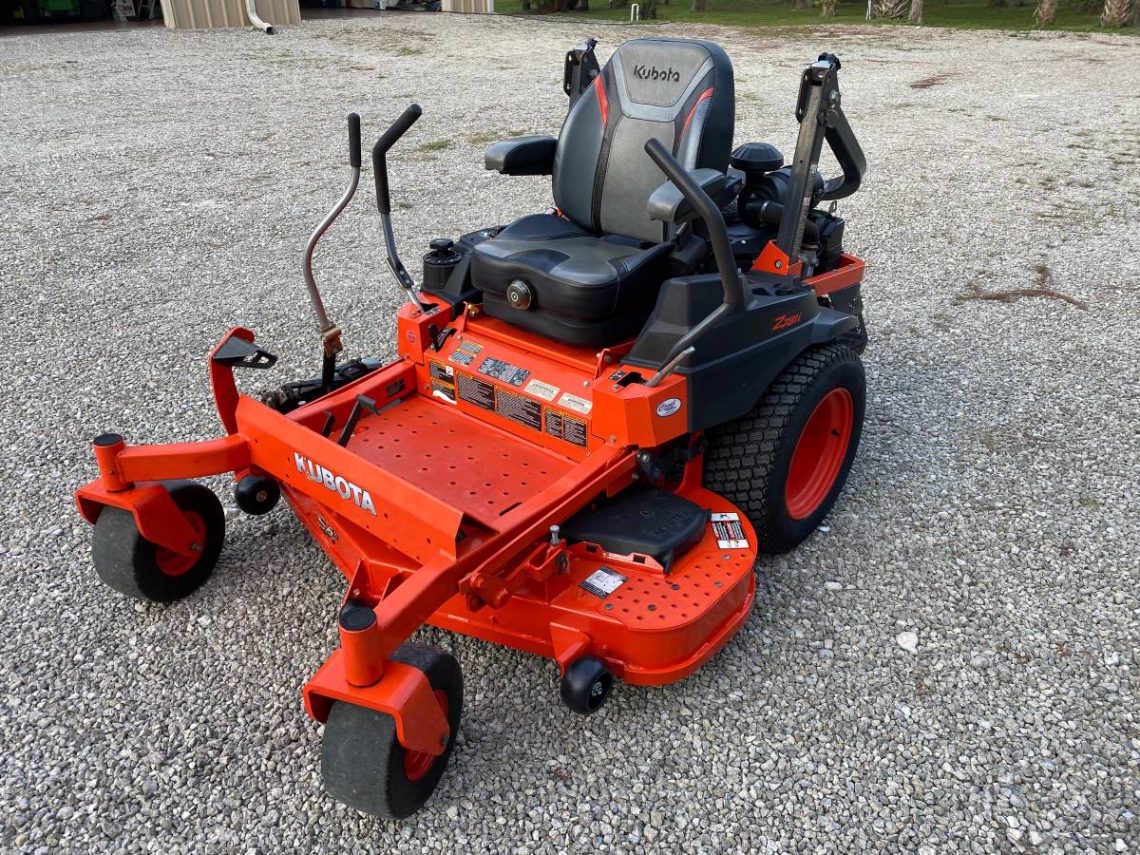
962	14
435	145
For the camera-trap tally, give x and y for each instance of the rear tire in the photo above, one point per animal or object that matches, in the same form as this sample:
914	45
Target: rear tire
785	462
364	765
134	566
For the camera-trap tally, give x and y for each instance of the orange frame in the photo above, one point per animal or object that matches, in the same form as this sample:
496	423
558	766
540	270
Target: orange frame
480	558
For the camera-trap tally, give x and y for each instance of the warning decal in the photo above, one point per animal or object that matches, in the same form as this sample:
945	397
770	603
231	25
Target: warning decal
541	390
573	402
574	431
443	391
476	392
503	371
513	406
603	582
729	532
566	427
466	351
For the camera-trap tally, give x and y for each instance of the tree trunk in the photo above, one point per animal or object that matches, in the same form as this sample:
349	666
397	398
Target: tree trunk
1045	12
648	9
871	10
892	8
916	11
803	4
699	5
828	10
1117	13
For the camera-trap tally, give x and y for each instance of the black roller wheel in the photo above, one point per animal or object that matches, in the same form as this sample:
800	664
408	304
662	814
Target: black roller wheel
586	685
140	569
364	765
256	494
785	463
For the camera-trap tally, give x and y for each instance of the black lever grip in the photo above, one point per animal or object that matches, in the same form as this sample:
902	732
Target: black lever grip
386	141
354	140
709	212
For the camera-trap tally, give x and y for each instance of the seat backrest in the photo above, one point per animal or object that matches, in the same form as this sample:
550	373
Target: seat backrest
679	91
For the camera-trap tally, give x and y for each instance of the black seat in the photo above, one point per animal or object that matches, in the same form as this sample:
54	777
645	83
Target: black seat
588	274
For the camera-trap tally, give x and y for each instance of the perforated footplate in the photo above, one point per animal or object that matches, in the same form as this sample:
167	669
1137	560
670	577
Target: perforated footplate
475	468
697	586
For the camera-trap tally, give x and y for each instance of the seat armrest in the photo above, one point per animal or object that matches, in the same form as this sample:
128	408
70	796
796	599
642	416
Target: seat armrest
668	205
522	156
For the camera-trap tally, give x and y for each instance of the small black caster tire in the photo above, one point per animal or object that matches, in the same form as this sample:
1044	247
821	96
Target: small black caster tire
586	685
364	765
134	566
257	495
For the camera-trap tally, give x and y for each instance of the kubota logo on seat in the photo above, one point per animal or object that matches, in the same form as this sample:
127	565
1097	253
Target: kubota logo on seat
338	484
652	72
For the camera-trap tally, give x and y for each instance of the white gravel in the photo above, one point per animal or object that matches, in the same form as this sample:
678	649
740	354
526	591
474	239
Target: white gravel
158	188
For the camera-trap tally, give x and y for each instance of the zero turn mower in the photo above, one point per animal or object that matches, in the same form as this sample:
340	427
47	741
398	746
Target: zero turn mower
599	416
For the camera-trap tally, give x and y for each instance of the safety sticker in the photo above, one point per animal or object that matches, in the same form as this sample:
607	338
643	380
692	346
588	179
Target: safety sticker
439	371
573	402
443	391
603	582
513	406
564	427
504	371
541	390
574	431
466	351
476	392
729	532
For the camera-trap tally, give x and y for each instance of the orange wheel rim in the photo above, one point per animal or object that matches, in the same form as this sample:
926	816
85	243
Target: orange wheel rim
419	763
172	563
819	454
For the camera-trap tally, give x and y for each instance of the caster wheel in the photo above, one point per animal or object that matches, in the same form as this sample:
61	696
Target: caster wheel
138	568
257	495
364	765
586	685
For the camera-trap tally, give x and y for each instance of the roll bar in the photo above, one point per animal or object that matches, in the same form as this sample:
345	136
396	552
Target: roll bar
580	69
821	118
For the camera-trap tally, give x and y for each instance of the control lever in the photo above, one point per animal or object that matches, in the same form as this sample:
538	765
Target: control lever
730	278
384	203
331	343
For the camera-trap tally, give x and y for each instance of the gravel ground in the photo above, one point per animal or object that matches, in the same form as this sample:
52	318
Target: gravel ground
949	665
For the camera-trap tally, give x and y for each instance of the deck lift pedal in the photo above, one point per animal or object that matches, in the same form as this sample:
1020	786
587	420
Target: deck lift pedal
599	416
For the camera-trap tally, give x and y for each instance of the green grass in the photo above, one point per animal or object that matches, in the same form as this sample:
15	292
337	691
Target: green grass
963	14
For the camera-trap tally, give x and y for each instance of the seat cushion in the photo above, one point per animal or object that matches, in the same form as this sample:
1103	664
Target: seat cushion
586	289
